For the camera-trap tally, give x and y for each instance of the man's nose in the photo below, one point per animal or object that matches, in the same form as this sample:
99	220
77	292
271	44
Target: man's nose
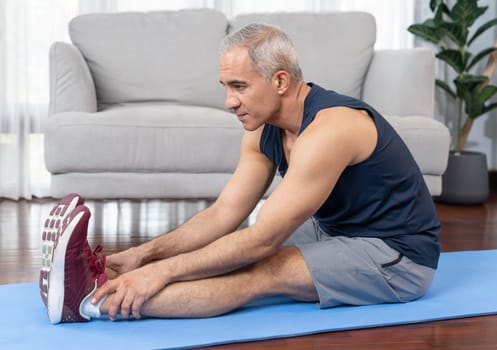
232	101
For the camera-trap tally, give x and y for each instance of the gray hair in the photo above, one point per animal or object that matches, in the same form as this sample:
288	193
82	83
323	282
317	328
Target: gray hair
269	48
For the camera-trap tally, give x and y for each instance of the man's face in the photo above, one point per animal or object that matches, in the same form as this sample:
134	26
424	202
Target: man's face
254	100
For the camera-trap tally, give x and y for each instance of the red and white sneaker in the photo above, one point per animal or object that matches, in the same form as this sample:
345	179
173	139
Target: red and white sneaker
76	271
52	228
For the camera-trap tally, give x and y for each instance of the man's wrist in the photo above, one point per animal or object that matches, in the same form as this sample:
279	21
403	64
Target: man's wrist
162	268
147	252
139	255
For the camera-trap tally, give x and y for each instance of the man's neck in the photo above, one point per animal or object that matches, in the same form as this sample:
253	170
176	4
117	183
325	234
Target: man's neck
293	108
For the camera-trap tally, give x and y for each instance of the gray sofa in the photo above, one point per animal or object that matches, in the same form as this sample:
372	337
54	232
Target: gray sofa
137	111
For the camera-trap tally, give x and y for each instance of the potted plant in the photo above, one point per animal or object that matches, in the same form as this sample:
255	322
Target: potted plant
451	30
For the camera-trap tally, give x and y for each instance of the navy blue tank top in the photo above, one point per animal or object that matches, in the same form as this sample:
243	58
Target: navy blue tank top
384	196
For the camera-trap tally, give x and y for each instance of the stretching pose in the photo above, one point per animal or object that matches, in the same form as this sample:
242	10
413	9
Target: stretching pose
351	222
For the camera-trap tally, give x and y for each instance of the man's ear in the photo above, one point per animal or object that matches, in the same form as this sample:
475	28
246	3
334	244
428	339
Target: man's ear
281	80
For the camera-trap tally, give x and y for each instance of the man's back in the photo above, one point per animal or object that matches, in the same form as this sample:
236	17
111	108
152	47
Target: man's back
383	196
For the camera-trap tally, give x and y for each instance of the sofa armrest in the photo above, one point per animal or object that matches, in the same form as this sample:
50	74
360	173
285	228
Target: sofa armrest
427	139
401	82
71	84
429	142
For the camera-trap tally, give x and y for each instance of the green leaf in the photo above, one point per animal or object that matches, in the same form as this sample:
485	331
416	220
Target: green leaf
466	12
438	4
482	29
467	85
431	23
456	33
480	56
489	108
469	106
434	4
483	110
454	58
486	93
426	32
473	105
442	84
481	11
438	16
476	104
445	9
471	80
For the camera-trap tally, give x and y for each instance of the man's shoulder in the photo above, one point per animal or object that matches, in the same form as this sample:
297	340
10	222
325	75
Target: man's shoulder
252	138
338	118
342	130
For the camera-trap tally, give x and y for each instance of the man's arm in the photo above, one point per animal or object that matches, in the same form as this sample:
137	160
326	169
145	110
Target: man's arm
250	180
337	139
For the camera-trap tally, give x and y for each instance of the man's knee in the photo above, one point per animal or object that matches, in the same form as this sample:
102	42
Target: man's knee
286	273
410	280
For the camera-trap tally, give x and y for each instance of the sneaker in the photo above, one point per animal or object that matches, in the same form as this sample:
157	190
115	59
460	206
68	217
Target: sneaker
51	231
76	271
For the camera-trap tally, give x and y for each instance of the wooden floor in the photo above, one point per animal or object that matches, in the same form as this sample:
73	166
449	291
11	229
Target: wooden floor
121	224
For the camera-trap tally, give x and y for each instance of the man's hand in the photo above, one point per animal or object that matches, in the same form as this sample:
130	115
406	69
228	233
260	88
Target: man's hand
125	261
128	292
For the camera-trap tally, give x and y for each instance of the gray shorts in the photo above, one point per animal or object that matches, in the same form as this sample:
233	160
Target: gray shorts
359	270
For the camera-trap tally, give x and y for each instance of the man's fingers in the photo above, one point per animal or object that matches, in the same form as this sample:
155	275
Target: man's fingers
126	305
115	305
107	288
137	305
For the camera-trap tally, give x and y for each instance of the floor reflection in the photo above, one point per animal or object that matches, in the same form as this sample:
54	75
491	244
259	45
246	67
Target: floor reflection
111	219
143	218
116	224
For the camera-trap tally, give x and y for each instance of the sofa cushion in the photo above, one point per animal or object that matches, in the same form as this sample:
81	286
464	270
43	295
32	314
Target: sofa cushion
334	48
153	56
144	138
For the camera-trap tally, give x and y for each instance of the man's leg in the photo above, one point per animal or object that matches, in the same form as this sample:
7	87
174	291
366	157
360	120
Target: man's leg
284	273
362	270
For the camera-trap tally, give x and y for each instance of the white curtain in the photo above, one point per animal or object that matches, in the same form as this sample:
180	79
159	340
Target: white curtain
29	27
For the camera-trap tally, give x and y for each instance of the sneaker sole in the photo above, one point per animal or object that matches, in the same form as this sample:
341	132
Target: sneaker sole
51	229
56	279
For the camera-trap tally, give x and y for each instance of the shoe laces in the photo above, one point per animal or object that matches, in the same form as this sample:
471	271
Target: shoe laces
96	259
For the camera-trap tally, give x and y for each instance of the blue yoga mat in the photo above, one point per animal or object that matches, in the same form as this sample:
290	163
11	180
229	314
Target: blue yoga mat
464	285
